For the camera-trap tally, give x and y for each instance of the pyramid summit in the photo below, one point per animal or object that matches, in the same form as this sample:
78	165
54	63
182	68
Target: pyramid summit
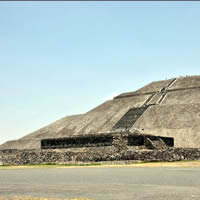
167	108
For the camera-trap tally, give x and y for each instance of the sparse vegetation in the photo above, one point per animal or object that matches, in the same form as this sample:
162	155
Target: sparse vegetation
188	163
49	165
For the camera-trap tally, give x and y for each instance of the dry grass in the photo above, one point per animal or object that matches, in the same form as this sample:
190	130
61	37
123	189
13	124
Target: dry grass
137	164
39	198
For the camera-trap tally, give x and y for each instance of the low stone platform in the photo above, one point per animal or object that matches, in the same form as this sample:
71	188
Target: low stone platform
92	154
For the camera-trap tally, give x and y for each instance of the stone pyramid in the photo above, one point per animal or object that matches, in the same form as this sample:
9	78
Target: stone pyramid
162	108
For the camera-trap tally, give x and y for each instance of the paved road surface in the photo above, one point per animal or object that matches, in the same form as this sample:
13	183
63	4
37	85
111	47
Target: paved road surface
103	183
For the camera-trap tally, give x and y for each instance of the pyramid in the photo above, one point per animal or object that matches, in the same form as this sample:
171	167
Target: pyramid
168	108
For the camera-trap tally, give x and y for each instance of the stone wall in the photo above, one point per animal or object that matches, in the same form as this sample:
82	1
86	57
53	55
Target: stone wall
77	142
119	139
93	154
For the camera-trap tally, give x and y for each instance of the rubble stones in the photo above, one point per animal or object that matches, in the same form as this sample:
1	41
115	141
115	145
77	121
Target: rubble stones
22	157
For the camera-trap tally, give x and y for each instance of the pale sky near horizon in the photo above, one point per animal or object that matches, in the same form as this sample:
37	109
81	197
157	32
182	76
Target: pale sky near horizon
64	58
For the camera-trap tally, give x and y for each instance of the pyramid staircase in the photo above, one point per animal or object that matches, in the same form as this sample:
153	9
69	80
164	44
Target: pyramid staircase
127	121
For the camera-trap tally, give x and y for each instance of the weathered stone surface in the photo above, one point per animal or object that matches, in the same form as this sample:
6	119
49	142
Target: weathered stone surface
116	146
150	88
180	121
186	82
118	139
77	142
21	157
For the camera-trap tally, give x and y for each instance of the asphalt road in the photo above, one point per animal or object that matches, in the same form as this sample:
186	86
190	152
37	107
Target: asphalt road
103	183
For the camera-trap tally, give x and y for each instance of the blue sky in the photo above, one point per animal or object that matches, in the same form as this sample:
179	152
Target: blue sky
63	58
